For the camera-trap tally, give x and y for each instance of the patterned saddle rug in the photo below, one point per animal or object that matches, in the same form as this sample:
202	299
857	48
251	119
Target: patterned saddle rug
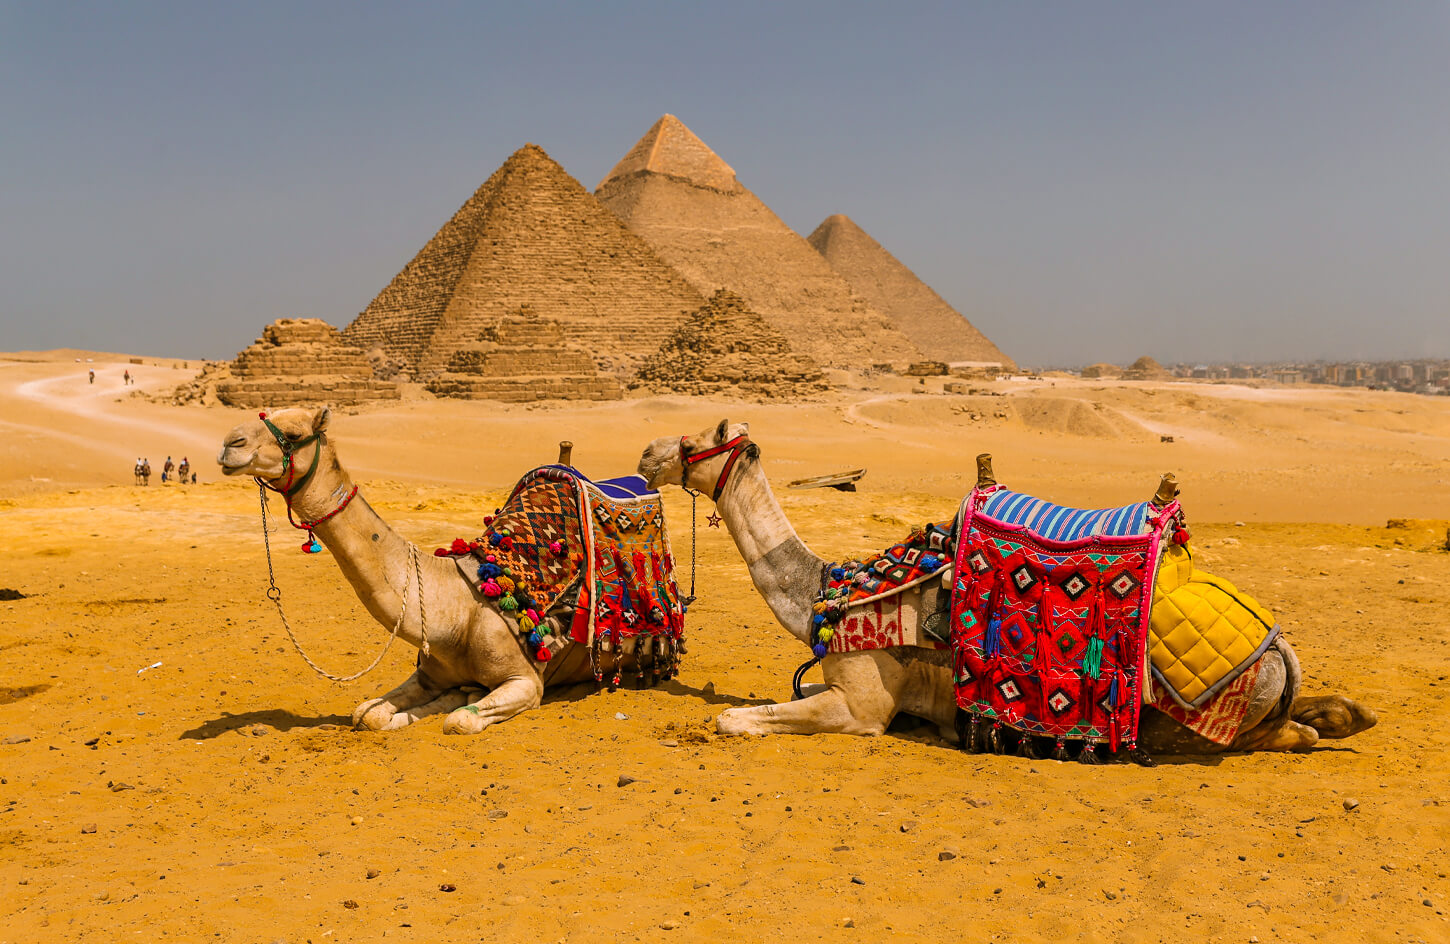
575	561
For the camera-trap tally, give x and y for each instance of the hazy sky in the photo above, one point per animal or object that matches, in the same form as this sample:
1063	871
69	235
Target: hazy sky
1084	181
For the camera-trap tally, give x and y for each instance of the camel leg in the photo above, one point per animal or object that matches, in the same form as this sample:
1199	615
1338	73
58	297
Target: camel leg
517	694
375	713
1333	716
448	701
861	698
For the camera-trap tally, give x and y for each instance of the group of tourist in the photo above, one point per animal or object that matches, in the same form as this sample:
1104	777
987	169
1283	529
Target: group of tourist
170	472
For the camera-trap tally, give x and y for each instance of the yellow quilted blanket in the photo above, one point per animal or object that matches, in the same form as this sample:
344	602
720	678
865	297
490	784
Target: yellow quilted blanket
1203	632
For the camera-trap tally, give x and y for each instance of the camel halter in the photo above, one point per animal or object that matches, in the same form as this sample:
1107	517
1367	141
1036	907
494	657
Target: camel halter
735	447
310	546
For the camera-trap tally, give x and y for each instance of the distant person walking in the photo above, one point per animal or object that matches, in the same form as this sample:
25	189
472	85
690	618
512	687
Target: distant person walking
126	378
167	469
183	471
93	376
145	471
138	471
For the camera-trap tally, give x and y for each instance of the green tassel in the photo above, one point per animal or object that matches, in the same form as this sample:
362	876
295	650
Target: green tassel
507	602
1092	660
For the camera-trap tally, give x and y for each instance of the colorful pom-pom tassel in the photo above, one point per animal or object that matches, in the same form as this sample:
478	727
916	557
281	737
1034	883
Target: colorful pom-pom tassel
495	539
543	655
507	602
556	548
838	573
491	588
534	615
825	634
506	582
819	649
535	640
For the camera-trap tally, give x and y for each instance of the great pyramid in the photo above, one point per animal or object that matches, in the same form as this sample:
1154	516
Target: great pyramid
922	315
687	204
727	347
531	235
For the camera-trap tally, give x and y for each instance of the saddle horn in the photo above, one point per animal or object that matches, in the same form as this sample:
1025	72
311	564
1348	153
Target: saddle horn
1167	490
985	477
566	453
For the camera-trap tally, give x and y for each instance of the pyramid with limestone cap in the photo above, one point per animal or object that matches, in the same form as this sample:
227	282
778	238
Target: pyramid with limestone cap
531	235
922	315
686	202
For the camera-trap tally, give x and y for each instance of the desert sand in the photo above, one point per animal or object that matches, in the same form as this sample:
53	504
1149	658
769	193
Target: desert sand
169	768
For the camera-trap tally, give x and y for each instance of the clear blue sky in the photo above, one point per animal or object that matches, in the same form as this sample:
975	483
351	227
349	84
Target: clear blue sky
1084	181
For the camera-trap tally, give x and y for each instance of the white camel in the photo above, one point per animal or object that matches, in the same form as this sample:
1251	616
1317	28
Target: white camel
469	644
864	690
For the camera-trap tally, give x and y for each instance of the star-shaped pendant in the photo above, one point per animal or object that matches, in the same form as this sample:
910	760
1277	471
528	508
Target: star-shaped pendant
713	520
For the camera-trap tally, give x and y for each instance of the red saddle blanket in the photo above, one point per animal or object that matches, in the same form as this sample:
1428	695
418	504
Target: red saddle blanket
563	543
1050	636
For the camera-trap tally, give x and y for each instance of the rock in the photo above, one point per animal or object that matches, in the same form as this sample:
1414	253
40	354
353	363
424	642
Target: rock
1350	803
497	814
857	880
350	904
116	786
257	730
977	804
946	855
620	716
908	826
625	780
709	689
669	744
847	923
448	887
679	790
88	828
669	924
15	739
356	820
373	873
93	742
1110	896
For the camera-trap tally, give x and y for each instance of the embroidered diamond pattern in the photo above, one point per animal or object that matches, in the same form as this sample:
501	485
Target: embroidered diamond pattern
1060	701
1123	585
1066	643
1010	691
979	562
1075	586
1022	579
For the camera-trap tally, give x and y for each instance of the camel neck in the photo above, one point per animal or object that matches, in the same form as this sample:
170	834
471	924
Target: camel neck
783	569
372	556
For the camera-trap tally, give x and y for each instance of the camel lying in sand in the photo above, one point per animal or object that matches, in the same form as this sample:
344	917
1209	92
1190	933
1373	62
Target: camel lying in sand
864	690
469	644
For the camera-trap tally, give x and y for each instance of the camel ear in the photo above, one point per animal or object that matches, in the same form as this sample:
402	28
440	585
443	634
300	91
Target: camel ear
723	430
752	451
319	421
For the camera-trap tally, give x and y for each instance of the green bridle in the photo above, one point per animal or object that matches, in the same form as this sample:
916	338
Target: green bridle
289	447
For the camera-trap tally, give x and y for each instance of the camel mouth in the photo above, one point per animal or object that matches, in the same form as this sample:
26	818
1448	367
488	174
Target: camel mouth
233	469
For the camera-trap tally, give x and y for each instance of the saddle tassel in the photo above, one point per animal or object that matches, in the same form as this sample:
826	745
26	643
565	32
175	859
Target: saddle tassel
1089	753
1060	752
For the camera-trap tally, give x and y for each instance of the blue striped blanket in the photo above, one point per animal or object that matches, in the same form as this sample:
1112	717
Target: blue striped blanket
1060	523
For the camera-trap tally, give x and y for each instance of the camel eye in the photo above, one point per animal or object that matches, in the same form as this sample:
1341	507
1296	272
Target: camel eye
237	443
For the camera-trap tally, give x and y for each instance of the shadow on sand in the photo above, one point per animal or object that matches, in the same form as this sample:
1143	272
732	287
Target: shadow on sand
278	718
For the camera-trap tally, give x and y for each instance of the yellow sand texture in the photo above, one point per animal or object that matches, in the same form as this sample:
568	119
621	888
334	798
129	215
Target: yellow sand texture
220	796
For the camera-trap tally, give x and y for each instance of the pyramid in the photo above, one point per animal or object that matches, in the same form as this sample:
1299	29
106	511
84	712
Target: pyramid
522	358
725	347
531	235
685	201
1146	368
921	314
301	360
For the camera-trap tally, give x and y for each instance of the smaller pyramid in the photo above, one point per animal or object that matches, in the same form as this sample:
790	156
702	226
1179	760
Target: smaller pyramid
523	358
1102	372
894	290
302	360
726	347
1146	368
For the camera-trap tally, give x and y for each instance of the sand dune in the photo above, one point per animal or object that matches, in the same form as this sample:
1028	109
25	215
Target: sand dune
219	796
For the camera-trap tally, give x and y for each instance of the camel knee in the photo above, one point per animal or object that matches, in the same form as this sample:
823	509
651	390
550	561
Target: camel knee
373	714
1287	736
1333	716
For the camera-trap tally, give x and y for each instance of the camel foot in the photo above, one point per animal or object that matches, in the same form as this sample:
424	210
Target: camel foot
1333	716
373	714
1288	736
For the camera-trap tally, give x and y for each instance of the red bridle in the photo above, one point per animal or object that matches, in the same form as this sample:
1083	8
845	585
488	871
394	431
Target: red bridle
735	447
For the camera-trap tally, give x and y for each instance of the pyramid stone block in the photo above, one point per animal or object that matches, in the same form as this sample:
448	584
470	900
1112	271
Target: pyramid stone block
922	315
523	358
301	360
686	202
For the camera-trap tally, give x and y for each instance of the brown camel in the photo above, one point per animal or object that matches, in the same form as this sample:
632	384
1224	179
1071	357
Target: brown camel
864	690
469	644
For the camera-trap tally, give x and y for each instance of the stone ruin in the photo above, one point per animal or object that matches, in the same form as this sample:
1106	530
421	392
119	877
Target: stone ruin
1102	372
726	347
1146	368
523	358
301	360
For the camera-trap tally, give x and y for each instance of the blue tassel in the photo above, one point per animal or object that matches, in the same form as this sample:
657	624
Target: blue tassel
818	619
535	639
819	649
838	573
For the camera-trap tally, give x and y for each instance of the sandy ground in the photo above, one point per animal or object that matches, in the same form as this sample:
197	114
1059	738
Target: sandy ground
218	795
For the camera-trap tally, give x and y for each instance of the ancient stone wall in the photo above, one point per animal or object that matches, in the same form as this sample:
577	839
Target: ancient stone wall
524	357
726	347
301	361
531	235
686	203
935	327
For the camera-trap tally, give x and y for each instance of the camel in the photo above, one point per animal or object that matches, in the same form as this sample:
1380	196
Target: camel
865	690
469	646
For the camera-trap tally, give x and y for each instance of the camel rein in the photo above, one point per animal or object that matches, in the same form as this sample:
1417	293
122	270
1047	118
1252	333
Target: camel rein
274	593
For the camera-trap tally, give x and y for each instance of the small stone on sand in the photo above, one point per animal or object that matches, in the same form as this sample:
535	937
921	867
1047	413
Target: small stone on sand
356	820
946	855
1350	803
373	873
625	780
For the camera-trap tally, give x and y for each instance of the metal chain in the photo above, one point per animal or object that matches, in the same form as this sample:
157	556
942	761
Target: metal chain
693	495
274	594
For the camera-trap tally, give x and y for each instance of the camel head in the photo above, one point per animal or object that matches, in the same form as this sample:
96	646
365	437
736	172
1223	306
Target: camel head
687	460
252	448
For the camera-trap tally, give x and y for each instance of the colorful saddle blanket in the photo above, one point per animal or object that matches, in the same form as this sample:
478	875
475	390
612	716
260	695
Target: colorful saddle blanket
1050	634
861	603
594	556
